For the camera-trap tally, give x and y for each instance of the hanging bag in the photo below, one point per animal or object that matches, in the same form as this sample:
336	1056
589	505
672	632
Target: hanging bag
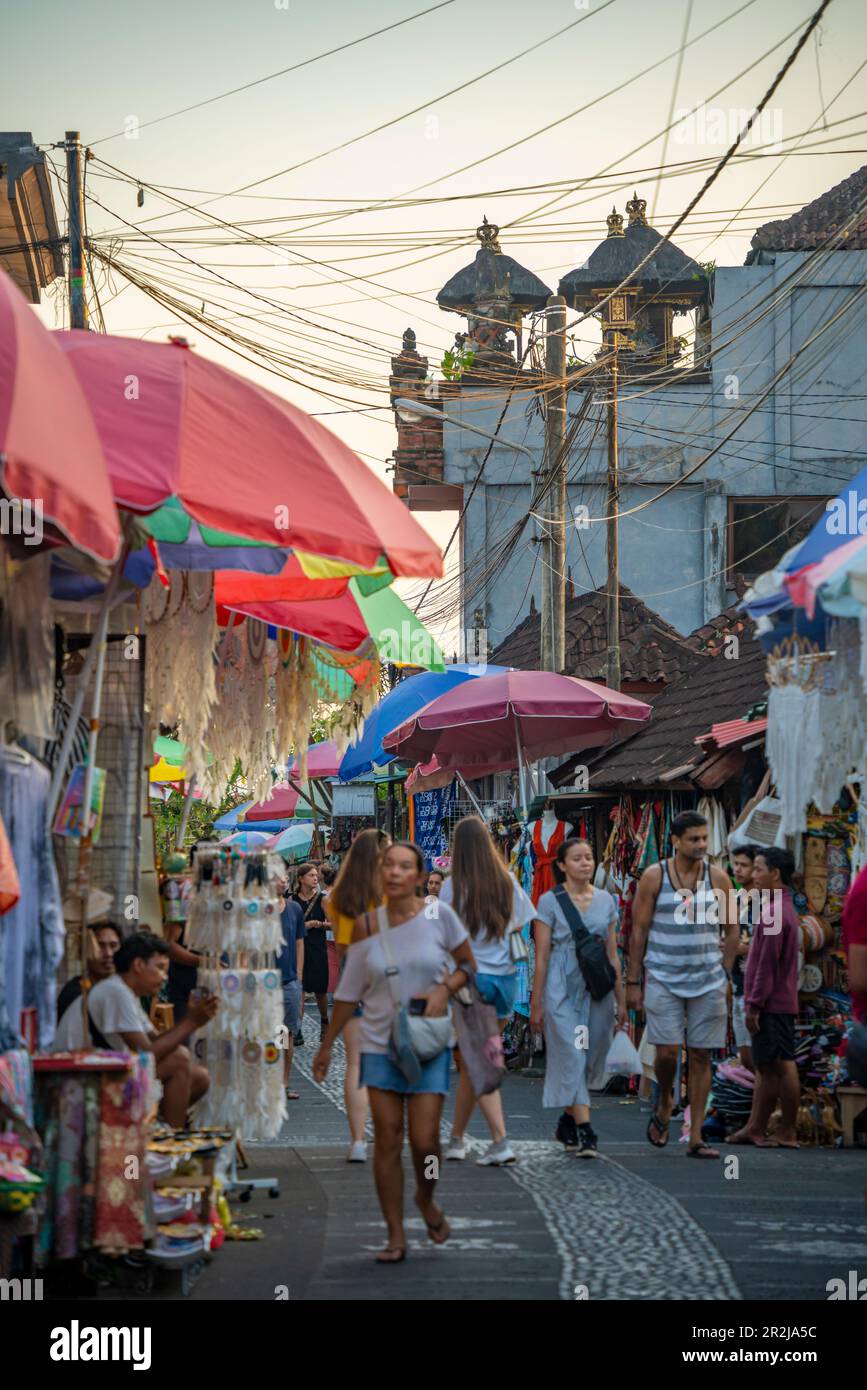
599	974
414	1038
479	1040
518	948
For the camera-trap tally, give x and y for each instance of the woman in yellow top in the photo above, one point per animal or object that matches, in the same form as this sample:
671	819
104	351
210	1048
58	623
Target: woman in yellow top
357	889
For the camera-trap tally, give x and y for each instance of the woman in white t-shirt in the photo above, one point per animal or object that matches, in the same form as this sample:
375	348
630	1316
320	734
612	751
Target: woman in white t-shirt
491	904
425	946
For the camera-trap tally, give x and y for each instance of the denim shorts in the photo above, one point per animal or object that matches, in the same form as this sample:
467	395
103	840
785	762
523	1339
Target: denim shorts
292	1006
499	990
378	1071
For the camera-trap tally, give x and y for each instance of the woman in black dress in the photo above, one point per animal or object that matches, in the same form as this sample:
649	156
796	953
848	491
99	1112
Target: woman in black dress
315	980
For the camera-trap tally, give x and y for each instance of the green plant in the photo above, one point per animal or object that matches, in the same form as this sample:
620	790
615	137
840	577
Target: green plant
456	361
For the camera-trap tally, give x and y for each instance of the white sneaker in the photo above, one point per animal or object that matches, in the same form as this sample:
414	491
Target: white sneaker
457	1148
357	1152
495	1154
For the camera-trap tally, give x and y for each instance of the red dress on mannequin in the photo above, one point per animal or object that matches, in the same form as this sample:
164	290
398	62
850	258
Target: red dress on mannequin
543	876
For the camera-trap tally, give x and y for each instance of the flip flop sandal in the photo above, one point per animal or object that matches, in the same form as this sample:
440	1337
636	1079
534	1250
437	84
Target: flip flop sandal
390	1249
661	1128
292	1095
702	1151
433	1230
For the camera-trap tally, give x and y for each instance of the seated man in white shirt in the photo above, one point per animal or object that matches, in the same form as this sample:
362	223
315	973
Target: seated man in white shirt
141	966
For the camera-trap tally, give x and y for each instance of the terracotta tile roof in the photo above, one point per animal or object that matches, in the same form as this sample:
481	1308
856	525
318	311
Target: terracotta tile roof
712	636
715	689
651	649
814	224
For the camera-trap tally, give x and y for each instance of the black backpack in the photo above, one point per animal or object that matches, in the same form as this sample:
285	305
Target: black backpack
599	974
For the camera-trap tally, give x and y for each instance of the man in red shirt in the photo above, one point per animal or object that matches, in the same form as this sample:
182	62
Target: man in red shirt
855	944
771	1003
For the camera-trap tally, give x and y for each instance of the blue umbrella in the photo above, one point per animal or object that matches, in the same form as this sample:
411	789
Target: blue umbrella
400	704
837	525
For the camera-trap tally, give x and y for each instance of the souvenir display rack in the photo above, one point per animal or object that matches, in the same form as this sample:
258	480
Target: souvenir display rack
234	923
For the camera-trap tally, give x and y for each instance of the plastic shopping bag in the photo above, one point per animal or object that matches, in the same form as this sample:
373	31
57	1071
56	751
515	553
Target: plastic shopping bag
623	1058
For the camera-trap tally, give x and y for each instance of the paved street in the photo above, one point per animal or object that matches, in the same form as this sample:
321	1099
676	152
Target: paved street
638	1224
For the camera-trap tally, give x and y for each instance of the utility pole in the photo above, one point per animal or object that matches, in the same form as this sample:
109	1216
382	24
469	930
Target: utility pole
613	546
553	540
77	299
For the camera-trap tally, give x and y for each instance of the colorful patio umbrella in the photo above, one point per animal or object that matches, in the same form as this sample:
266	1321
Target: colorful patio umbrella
344	622
294	843
235	820
286	804
499	722
50	450
405	699
246	839
237	460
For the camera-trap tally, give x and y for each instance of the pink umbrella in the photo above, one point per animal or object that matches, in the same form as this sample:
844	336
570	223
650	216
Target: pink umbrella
323	760
226	454
497	722
50	452
286	802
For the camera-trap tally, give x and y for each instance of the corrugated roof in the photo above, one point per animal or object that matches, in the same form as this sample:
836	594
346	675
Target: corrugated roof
734	731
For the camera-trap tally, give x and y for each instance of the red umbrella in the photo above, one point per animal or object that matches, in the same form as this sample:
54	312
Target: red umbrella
177	428
498	722
50	452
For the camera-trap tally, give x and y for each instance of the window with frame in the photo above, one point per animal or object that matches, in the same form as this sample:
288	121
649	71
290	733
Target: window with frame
762	529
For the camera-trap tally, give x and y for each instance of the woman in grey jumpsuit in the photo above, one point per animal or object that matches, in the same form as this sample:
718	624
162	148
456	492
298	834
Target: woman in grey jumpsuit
578	1030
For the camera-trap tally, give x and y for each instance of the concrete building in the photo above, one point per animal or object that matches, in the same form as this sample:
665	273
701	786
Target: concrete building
742	405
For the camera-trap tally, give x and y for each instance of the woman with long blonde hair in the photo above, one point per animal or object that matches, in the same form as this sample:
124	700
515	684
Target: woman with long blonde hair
491	904
357	889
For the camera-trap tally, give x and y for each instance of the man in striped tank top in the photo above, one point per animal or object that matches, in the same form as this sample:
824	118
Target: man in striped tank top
681	908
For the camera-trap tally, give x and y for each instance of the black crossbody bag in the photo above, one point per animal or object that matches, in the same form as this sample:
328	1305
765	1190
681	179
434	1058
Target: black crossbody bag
599	974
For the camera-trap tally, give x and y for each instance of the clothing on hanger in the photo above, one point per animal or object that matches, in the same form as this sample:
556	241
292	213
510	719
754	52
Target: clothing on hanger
32	931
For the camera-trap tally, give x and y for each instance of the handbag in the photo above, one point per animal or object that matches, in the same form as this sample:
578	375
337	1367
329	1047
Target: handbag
599	974
518	948
479	1040
415	1039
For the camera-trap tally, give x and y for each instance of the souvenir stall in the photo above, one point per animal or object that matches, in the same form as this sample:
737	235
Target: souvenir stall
810	613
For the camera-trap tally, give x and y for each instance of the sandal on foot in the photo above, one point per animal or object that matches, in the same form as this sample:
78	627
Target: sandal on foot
384	1256
661	1128
702	1150
434	1228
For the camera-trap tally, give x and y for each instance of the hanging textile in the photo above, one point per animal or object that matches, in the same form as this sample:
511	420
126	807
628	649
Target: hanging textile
544	857
122	1220
10	885
32	931
26	644
180	627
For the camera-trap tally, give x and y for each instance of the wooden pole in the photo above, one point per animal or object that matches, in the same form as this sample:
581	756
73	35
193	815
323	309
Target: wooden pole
75	275
553	538
613	535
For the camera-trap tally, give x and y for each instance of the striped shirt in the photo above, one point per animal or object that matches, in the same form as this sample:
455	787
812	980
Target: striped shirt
683	944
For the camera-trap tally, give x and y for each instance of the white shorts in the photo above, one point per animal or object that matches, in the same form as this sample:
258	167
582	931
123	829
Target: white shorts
743	1036
703	1019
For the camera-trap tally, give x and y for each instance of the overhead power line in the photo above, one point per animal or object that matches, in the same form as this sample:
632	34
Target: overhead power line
270	77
